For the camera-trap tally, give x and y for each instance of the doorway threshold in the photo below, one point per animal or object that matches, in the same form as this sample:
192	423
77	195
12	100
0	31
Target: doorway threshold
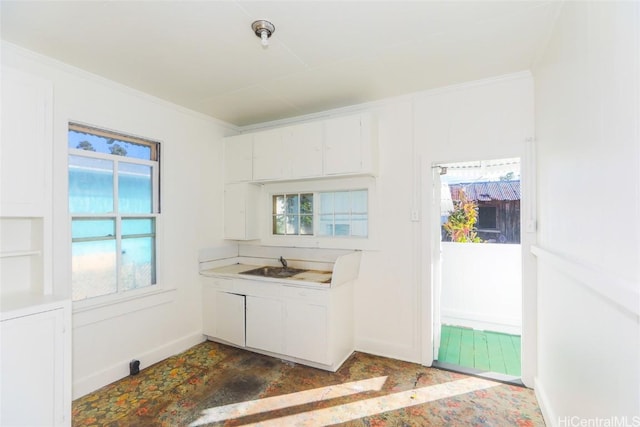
494	376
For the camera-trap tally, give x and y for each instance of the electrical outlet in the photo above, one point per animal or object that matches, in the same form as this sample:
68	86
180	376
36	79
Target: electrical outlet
134	367
415	215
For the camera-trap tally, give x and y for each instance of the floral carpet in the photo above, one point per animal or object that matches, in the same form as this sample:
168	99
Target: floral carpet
217	385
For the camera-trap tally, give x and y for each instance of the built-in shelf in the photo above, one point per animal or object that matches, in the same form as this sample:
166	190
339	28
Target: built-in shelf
25	261
14	254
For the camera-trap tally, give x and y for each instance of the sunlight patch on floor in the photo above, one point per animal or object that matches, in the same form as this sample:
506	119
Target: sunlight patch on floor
243	409
368	407
346	412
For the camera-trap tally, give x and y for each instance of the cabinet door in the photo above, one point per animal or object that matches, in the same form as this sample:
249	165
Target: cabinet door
306	332
32	386
238	158
303	145
343	145
211	287
269	156
26	144
264	324
226	319
241	211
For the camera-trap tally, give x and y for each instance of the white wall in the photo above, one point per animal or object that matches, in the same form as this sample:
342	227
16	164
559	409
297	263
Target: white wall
587	130
482	286
150	328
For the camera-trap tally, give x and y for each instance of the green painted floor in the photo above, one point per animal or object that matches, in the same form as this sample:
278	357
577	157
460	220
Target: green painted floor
487	351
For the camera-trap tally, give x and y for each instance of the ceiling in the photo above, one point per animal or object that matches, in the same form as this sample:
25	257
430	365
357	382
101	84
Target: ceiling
323	55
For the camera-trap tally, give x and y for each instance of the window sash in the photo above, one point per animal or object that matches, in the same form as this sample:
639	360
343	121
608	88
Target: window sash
154	146
155	178
124	281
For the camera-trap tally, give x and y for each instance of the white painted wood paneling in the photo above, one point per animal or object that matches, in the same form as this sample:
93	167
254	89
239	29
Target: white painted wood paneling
588	148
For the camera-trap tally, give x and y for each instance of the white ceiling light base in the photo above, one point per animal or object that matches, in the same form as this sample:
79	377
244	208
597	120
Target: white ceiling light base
264	30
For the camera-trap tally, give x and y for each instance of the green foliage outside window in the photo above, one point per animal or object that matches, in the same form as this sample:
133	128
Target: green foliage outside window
461	224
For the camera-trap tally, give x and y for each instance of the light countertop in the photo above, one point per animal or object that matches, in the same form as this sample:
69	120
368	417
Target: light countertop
308	277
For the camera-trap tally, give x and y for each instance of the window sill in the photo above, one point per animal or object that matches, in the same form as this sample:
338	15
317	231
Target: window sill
88	312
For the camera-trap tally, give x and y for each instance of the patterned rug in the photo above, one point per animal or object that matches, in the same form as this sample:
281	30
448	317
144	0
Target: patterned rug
216	385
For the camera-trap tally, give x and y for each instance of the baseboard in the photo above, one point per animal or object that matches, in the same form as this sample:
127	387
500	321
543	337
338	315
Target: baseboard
481	321
120	370
383	349
550	418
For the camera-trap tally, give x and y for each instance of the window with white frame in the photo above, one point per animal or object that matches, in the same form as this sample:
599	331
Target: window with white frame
334	214
114	202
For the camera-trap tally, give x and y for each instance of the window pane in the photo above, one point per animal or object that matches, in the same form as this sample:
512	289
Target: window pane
487	217
292	204
93	269
278	204
306	203
342	202
359	225
101	144
134	188
359	201
83	228
133	226
278	224
90	185
326	203
306	224
292	224
325	227
342	225
138	263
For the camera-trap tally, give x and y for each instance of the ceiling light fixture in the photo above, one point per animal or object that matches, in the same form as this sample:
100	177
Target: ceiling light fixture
264	30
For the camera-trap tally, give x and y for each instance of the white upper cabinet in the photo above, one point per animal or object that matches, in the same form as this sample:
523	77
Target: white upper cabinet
238	158
25	144
241	211
303	144
269	156
334	147
349	145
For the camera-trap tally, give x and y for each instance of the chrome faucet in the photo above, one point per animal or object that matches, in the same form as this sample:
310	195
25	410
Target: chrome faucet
283	262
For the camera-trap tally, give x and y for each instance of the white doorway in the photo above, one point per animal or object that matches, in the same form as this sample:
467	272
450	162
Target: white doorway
477	287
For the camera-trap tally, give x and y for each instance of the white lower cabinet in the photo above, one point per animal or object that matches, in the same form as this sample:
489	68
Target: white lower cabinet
223	315
32	390
309	326
306	332
230	319
264	324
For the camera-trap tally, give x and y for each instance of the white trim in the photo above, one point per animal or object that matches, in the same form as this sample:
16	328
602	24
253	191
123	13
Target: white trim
390	350
546	408
481	321
608	285
86	385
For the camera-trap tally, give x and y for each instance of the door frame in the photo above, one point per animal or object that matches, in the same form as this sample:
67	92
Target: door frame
528	238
